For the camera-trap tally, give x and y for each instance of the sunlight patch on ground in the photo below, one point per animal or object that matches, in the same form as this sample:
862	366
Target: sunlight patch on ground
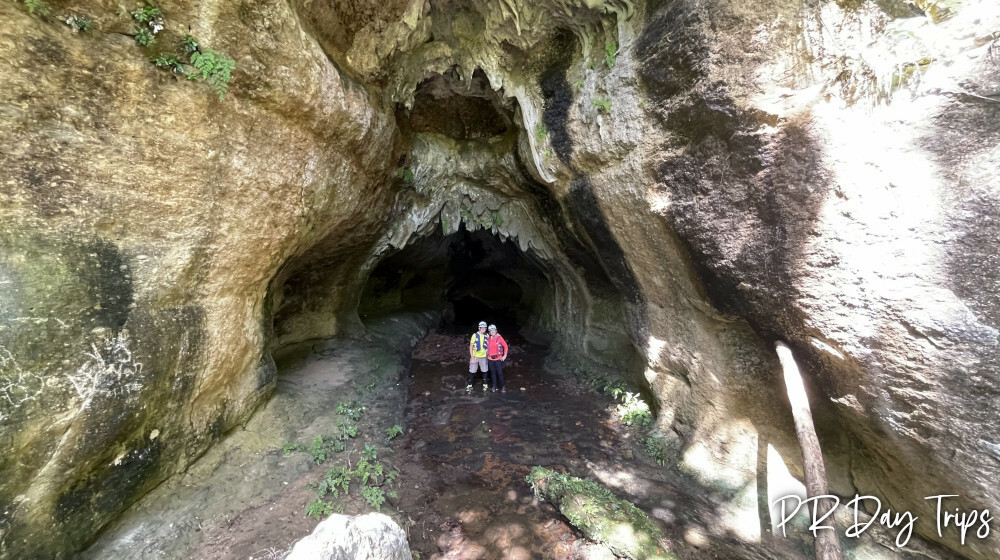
780	483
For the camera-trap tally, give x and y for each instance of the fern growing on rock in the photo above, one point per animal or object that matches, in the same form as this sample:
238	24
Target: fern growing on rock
214	68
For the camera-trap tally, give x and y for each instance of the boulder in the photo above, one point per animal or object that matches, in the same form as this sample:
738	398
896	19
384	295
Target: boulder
372	536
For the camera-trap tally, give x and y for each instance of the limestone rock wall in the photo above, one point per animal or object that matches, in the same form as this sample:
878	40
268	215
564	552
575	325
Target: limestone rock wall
143	220
697	178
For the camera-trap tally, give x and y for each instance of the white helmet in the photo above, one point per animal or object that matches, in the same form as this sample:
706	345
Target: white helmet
482	324
493	327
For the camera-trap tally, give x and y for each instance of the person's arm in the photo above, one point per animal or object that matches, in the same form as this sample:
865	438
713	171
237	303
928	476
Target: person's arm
505	349
472	351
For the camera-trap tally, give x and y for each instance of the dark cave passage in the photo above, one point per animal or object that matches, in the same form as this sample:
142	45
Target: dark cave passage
466	276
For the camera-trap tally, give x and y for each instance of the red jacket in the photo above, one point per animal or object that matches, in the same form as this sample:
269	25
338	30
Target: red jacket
496	348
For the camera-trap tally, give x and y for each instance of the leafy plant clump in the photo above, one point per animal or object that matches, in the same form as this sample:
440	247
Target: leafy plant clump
610	52
189	44
319	509
143	36
405	174
600	515
634	410
603	105
371	475
393	432
170	62
213	68
147	14
656	449
37	7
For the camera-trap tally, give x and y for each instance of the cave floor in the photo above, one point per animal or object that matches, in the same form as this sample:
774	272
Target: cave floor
462	460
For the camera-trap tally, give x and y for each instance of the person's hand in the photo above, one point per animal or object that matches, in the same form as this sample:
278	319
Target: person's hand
472	360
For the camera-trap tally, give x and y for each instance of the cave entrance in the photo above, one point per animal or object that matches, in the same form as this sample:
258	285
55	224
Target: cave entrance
467	277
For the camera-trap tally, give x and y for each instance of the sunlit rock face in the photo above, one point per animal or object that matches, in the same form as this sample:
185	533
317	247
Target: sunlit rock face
678	184
143	221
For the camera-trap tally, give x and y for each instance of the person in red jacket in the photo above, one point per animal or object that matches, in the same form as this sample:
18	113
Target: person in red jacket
496	353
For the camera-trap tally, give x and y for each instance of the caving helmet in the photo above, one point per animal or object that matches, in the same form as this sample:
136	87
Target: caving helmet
482	324
493	328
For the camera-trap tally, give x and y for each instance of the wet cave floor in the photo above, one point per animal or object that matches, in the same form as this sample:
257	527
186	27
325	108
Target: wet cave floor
462	460
465	456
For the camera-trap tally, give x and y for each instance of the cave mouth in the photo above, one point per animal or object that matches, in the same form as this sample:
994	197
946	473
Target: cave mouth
466	277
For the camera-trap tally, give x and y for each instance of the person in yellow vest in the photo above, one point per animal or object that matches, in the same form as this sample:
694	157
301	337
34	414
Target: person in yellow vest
477	356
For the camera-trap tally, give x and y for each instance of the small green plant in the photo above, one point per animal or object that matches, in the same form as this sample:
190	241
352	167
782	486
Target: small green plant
147	14
603	105
143	36
656	449
415	554
393	431
319	450
634	410
370	452
540	133
348	429
213	68
37	7
579	84
336	480
374	496
351	410
292	447
610	50
319	509
170	62
80	23
405	174
189	44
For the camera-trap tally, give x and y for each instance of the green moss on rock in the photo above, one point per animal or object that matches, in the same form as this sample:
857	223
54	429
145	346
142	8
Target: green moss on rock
601	516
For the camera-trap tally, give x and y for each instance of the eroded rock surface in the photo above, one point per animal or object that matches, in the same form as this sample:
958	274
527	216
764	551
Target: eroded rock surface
692	179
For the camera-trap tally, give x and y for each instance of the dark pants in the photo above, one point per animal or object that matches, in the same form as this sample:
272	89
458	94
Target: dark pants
496	372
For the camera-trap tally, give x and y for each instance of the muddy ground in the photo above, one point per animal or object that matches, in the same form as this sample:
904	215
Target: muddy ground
462	461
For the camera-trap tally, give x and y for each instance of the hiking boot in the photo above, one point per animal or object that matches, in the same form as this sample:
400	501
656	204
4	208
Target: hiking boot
468	388
485	387
503	391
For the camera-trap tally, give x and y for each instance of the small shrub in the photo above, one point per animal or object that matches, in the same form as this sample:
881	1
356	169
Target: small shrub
319	509
170	62
214	68
610	50
370	452
37	7
143	36
393	431
603	105
291	447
